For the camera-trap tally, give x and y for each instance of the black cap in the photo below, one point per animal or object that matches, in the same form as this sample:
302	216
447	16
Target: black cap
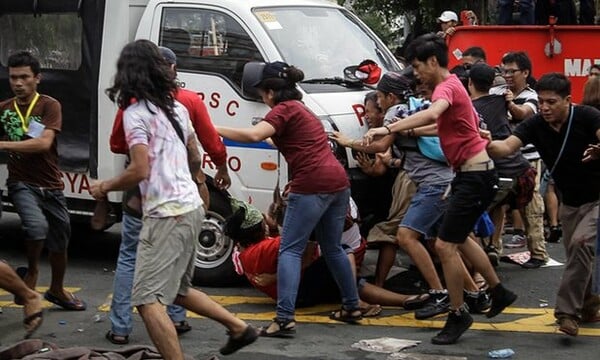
482	74
168	55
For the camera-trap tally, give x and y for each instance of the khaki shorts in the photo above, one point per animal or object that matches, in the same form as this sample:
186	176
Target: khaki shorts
165	258
402	192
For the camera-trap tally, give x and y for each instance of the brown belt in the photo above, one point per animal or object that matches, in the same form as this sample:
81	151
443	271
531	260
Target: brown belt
480	166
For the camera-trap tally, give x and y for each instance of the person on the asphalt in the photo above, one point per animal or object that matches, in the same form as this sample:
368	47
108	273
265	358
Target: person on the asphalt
257	260
567	137
473	187
165	162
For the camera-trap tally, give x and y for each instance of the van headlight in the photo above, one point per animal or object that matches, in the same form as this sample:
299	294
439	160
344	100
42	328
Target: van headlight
339	151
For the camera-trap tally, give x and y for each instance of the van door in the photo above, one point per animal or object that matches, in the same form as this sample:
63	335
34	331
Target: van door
212	46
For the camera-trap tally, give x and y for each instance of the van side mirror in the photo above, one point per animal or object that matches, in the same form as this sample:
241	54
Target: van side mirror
365	73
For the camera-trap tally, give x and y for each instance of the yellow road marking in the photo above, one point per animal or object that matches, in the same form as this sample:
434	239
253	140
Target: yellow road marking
532	320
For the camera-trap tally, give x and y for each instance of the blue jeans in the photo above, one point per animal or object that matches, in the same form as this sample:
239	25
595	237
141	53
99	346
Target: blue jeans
325	213
526	9
120	307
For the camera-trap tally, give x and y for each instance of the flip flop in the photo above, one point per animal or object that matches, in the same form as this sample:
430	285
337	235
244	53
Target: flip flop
31	319
371	310
74	304
22	272
415	302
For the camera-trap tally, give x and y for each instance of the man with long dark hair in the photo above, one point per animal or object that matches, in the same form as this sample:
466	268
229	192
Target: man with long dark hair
158	132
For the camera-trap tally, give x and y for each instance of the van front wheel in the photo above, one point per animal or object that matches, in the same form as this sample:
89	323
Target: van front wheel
213	265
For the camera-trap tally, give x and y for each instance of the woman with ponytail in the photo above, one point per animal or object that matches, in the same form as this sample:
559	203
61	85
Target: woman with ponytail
319	191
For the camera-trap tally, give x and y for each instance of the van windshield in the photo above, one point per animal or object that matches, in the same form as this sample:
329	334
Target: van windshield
321	41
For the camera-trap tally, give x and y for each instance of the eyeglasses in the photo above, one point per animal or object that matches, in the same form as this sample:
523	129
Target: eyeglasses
595	74
510	72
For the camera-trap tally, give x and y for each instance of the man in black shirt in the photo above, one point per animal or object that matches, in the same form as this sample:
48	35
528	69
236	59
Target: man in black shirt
567	137
493	111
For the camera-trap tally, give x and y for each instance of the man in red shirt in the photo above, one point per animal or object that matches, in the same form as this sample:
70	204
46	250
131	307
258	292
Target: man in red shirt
473	187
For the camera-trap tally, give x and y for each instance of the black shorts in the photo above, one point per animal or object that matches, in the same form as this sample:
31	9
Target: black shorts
472	193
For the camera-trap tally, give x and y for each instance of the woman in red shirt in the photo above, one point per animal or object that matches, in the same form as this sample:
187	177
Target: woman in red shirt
319	190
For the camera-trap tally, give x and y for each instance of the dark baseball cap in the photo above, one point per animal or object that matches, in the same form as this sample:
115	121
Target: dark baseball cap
168	55
482	74
255	72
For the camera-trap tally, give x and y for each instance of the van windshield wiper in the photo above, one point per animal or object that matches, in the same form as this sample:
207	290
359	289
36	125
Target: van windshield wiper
325	80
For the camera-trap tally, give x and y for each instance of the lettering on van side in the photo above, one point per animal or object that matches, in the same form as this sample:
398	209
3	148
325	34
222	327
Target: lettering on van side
359	111
214	101
233	163
579	67
80	183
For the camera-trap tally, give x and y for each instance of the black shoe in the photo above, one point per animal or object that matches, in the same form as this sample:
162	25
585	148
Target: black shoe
438	303
478	303
501	298
234	344
554	235
493	255
457	323
533	263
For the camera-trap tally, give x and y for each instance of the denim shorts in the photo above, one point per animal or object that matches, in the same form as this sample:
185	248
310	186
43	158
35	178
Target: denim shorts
472	193
426	209
43	214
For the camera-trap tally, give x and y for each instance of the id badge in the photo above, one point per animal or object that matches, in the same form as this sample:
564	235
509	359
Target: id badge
35	129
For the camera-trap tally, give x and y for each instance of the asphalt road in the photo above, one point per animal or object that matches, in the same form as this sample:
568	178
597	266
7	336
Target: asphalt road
527	327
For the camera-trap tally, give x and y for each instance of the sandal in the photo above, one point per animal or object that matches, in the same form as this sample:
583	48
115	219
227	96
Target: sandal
284	329
182	327
415	302
371	310
117	339
31	325
347	316
74	304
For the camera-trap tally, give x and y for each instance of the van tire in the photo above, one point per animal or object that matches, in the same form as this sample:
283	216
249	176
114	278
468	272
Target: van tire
213	265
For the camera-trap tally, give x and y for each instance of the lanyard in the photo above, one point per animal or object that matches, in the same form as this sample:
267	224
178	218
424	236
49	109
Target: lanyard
25	120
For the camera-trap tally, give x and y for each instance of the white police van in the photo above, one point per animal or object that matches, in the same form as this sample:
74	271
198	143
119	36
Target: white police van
78	43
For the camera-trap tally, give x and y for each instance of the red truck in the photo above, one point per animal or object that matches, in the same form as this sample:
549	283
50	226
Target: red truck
568	49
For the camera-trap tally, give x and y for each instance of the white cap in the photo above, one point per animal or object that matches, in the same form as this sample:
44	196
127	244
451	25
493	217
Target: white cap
448	16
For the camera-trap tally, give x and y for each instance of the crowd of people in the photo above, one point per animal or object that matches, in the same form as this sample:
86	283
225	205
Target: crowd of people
446	136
